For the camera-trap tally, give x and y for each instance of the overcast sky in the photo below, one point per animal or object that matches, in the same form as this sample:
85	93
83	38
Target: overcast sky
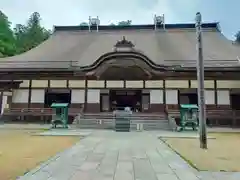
73	12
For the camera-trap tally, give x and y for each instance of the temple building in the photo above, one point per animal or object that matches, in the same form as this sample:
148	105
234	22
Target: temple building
108	67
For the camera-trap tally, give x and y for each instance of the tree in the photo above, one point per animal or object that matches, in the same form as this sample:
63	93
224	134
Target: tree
125	23
7	41
237	37
30	35
20	32
35	33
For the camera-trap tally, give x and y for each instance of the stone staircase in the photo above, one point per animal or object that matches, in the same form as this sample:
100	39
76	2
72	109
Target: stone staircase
139	121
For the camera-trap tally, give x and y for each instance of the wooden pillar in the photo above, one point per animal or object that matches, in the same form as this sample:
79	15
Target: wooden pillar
49	84
164	94
29	93
189	84
105	84
67	85
29	97
215	93
1	98
85	94
215	101
178	98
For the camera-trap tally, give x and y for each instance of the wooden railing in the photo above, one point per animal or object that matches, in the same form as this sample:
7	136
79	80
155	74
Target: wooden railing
175	113
214	116
37	111
77	111
219	113
106	120
139	115
28	111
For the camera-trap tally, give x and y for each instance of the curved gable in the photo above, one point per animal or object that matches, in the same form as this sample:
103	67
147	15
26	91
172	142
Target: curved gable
124	55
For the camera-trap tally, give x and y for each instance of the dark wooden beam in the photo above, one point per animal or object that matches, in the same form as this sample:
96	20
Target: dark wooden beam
164	93
215	93
85	95
1	99
163	75
29	93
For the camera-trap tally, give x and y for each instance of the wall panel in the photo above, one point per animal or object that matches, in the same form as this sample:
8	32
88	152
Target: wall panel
115	84
228	84
20	96
93	96
209	97
7	93
95	84
223	97
134	84
176	84
77	96
37	95
154	84
58	83
207	84
39	83
4	103
76	84
25	84
156	96
171	96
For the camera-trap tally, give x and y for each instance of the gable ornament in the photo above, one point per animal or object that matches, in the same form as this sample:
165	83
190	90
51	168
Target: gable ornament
124	44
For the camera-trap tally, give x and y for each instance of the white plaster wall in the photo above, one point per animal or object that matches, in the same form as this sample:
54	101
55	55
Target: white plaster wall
223	97
20	96
156	96
209	97
4	102
171	96
77	96
93	96
37	96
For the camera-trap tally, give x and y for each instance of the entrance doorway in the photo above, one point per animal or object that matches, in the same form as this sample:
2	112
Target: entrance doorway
119	99
235	99
193	98
57	96
188	96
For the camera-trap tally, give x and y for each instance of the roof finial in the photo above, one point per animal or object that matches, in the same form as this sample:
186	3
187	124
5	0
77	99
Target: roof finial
124	43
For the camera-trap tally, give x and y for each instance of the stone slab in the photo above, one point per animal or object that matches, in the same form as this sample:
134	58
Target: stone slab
65	132
107	155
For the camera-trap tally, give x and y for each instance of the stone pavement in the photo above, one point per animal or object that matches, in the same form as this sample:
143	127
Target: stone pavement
108	155
65	132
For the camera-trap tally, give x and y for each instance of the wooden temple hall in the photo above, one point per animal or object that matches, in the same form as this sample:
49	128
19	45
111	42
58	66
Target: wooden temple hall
110	67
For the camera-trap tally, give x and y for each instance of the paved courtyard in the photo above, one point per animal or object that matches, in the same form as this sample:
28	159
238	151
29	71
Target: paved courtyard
108	155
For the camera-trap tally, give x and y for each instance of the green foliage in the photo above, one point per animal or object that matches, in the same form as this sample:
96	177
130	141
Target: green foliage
30	35
125	23
23	37
7	41
83	24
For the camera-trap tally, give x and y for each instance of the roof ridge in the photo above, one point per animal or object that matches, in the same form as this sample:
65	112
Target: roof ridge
135	27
